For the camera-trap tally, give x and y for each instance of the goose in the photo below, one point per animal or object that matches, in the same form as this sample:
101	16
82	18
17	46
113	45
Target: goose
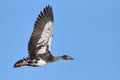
39	44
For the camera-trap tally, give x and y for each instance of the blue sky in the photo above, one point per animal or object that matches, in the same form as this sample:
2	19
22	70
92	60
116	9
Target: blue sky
88	30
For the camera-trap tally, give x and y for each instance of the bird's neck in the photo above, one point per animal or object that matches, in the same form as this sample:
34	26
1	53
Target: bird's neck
56	58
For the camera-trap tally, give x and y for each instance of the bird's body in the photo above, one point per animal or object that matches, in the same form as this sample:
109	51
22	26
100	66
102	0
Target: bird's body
40	41
38	63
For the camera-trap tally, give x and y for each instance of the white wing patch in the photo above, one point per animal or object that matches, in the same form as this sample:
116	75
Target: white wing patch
46	37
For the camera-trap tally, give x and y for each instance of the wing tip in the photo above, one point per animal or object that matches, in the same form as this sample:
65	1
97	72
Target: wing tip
48	12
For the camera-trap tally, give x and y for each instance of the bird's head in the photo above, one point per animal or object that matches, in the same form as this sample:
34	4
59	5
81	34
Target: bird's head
66	57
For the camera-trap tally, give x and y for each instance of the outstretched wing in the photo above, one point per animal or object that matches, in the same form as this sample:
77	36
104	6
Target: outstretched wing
41	36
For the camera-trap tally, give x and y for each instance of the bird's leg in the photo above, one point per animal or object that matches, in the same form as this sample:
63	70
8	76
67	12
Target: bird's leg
22	62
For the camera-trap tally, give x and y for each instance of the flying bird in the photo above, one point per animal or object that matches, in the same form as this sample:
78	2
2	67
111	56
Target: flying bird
39	44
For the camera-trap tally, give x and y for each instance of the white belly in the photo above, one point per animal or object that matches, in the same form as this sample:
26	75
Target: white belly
39	63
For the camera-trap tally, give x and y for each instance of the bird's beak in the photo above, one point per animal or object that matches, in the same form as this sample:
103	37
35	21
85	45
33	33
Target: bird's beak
70	58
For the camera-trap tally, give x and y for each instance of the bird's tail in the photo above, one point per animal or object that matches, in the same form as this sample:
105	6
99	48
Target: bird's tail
22	62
